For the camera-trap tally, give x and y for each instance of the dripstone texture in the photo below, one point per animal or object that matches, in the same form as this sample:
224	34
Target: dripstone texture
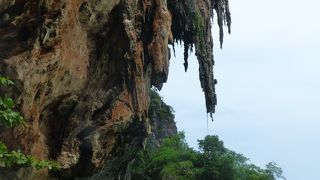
83	71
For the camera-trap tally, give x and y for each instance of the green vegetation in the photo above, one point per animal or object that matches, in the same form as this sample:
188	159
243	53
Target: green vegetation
175	160
17	158
199	29
159	107
10	118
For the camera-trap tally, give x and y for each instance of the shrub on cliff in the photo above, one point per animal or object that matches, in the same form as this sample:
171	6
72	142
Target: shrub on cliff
10	118
158	107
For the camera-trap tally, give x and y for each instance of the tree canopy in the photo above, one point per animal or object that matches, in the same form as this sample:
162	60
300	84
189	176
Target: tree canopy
176	160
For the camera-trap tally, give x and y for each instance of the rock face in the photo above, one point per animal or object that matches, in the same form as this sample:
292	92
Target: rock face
83	70
162	124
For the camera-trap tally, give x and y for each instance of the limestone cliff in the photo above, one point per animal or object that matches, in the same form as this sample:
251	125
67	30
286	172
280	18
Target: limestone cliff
83	70
162	124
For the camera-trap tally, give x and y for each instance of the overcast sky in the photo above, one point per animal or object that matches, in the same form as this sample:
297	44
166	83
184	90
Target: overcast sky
268	87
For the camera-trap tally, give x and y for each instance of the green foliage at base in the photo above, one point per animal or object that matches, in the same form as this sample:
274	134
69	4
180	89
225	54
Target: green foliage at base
10	118
17	158
175	160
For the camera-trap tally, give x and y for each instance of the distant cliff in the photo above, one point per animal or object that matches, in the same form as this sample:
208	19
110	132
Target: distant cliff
83	71
162	124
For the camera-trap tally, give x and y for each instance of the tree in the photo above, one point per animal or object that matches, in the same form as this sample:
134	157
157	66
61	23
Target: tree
274	171
175	160
211	146
214	159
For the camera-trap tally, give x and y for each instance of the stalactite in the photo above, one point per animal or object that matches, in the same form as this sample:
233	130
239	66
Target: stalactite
223	16
192	25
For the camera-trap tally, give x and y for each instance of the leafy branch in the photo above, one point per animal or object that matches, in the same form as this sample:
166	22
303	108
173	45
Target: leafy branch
17	158
10	118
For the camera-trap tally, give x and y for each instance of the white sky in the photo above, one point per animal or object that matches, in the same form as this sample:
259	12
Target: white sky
268	87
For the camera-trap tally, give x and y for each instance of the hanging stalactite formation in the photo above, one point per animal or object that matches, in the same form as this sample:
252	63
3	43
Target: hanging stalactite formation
194	30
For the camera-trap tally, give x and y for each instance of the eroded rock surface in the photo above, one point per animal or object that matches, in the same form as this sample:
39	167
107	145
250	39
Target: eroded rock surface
83	70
